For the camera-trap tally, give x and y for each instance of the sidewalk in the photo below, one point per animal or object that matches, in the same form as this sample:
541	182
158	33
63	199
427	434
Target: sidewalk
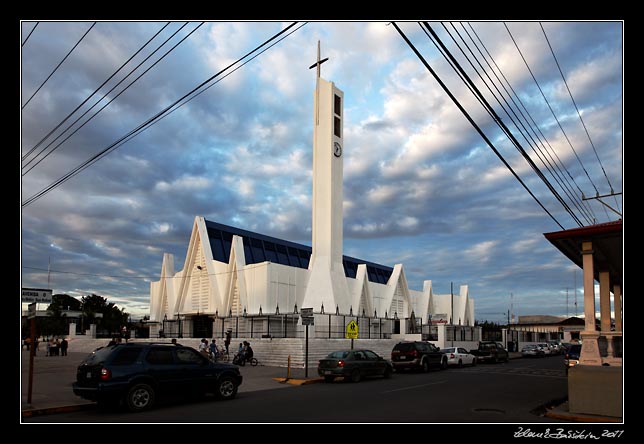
53	377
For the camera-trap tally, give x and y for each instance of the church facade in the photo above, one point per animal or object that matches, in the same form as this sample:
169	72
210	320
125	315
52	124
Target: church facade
232	272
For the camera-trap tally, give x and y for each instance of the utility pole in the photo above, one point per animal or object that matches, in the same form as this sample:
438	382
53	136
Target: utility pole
575	283
567	314
451	315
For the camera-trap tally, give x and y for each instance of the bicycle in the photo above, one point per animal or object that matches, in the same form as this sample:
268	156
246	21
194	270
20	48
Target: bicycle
222	355
239	360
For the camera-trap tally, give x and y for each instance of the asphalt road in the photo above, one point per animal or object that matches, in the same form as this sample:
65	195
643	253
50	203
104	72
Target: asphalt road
487	393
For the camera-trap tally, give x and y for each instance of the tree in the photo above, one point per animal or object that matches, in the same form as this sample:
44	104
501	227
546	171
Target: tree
113	317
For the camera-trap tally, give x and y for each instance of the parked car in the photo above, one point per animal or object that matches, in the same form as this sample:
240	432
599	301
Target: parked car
571	358
555	347
459	356
417	355
353	365
490	351
532	350
545	348
138	373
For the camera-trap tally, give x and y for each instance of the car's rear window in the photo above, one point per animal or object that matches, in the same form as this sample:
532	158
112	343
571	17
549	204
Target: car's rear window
448	350
100	355
404	347
338	355
127	356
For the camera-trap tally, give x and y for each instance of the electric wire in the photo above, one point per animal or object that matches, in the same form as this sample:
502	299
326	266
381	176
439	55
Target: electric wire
534	125
29	35
472	122
511	114
58	66
437	41
552	111
578	112
205	89
148	122
93	93
112	99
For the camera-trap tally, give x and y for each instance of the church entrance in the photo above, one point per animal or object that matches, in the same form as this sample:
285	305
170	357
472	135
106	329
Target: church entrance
202	326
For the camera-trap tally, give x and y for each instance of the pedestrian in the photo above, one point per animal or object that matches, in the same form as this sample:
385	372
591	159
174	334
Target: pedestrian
63	347
48	347
203	347
174	341
227	340
213	349
124	334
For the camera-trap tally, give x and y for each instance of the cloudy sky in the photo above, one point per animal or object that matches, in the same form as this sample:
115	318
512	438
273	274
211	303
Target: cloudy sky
421	187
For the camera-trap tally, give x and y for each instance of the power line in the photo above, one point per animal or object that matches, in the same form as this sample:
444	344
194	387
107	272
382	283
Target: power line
472	122
132	136
534	125
520	126
112	99
124	276
93	93
30	32
551	110
145	124
437	41
58	66
577	109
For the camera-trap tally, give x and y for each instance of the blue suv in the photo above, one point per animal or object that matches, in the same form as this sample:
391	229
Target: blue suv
138	373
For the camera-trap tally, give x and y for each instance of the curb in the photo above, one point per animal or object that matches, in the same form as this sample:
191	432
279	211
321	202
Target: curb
294	381
28	413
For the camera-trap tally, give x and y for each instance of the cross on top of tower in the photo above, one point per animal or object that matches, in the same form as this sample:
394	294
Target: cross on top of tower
319	62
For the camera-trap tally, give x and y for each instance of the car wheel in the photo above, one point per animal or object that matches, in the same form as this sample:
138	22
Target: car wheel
460	363
140	397
355	375
424	366
329	378
388	372
226	388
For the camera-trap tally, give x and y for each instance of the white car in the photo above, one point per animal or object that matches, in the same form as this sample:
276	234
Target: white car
545	348
458	356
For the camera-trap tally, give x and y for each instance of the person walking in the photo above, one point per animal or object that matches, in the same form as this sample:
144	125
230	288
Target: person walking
229	335
63	347
213	349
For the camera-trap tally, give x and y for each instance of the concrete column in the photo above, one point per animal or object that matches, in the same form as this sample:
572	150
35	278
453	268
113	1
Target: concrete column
617	305
72	330
589	348
589	286
92	331
604	300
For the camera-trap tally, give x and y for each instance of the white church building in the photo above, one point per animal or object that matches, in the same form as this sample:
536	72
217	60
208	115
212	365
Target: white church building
231	276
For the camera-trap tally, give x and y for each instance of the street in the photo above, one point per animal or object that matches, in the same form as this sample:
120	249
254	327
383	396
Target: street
487	393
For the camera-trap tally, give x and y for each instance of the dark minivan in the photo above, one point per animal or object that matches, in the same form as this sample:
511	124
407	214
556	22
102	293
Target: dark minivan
139	372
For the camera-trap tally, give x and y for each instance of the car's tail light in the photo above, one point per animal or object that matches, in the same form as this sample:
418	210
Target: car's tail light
567	356
340	363
414	353
451	356
105	374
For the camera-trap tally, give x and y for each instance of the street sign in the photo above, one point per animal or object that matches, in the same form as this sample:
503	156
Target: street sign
306	312
352	330
307	316
36	295
32	311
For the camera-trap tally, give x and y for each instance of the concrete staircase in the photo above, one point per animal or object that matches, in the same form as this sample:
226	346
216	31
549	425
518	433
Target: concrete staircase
269	352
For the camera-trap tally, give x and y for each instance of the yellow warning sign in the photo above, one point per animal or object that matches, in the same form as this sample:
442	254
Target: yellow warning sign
352	330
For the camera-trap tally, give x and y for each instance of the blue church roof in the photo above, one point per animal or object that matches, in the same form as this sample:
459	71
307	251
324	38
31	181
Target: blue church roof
259	248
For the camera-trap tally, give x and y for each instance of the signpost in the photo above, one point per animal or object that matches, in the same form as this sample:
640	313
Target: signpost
32	349
352	331
307	319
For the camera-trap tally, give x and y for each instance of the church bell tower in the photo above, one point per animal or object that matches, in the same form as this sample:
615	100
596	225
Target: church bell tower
327	282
